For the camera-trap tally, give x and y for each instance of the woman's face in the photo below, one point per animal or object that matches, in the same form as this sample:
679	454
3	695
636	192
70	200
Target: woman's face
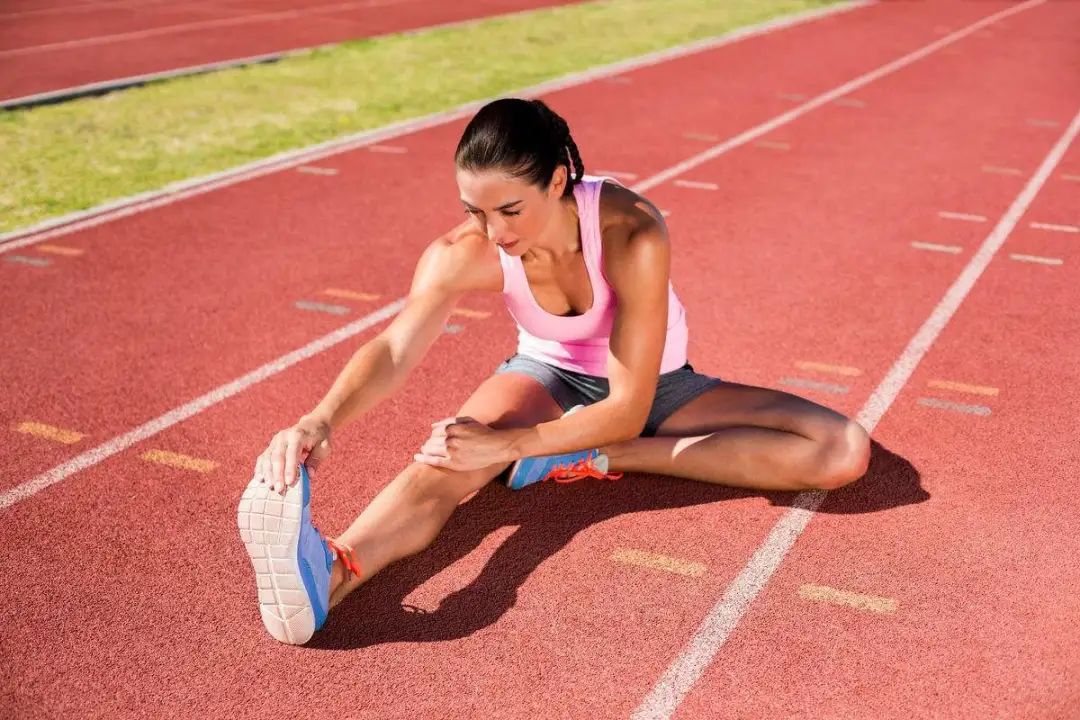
512	213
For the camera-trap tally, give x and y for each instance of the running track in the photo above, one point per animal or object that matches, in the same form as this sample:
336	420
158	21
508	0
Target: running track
49	48
135	597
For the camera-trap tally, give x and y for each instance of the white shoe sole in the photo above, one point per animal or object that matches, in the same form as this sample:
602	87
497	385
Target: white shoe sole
270	528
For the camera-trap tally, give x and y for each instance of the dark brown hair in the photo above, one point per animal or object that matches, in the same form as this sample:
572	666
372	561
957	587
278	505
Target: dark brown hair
524	138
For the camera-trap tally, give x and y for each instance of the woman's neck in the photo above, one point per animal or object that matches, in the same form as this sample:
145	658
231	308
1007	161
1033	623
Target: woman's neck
562	237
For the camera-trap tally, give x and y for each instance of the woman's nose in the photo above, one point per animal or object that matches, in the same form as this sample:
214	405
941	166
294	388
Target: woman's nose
496	230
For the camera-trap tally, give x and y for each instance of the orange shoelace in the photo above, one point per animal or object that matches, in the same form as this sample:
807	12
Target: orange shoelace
346	554
572	472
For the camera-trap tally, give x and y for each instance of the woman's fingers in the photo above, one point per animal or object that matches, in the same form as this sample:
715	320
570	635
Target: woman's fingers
277	463
432	460
292	452
434	446
294	449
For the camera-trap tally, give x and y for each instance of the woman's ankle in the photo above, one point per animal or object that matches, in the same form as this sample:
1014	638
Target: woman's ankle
338	574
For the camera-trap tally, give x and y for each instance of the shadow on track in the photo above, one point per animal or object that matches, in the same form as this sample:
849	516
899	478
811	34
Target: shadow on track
549	516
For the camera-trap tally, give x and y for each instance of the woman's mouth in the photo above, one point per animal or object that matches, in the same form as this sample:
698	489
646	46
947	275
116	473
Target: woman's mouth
507	246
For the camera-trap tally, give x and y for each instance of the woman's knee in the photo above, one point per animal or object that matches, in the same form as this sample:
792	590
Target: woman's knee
425	481
845	455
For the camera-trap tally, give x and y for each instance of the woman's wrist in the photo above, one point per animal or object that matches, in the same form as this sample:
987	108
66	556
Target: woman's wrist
321	418
522	441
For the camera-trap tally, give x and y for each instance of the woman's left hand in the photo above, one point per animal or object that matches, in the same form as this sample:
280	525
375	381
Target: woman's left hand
465	444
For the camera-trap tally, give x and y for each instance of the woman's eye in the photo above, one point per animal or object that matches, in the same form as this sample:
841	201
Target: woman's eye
511	214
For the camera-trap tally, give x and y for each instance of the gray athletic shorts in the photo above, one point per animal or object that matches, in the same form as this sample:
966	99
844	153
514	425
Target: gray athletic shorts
673	390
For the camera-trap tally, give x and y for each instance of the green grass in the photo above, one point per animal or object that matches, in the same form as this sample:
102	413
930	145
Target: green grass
61	158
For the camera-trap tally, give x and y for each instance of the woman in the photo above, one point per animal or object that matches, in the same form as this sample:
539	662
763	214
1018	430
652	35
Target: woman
600	383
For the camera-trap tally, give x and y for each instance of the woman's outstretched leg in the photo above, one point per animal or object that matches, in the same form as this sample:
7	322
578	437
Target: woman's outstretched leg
407	515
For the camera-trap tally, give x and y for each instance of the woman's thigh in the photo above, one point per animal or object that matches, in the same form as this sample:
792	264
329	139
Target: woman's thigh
732	404
511	400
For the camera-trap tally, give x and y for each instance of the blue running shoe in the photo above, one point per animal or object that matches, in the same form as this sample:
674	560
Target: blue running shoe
565	468
292	559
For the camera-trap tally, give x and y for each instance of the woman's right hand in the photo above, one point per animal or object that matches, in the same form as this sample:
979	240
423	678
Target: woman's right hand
308	442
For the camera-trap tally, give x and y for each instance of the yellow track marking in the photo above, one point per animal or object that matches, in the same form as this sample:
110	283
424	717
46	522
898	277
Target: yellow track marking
658	562
61	250
824	367
773	145
476	314
974	389
41	430
164	457
350	294
843	597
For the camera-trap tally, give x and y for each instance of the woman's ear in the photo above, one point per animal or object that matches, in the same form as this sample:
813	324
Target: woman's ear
558	182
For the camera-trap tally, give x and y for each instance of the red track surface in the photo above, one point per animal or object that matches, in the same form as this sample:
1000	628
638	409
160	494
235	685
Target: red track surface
134	592
44	48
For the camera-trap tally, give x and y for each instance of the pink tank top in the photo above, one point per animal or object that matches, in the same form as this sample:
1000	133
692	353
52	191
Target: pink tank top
580	343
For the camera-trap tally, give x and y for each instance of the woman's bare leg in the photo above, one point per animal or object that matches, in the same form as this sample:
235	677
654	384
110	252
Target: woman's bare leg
407	514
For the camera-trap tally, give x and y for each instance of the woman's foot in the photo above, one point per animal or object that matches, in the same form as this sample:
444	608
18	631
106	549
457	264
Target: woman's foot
294	563
567	467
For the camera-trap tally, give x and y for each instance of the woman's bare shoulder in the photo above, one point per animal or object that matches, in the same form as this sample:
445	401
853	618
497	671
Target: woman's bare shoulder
463	258
624	213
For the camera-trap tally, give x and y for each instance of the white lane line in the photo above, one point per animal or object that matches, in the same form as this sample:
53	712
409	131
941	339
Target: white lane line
966	217
164	422
694	185
175	192
116	445
1055	228
998	170
957	407
934	247
95	7
721	621
1038	259
110	448
196	25
234	62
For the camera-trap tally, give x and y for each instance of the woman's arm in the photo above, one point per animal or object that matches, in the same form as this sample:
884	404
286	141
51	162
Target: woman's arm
639	271
450	266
